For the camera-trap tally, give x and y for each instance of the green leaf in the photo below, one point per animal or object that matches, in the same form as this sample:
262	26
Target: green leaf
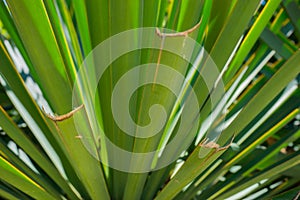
14	177
251	37
290	194
277	168
41	45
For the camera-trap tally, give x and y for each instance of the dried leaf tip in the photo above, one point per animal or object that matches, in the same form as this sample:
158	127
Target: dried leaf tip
213	145
65	116
183	33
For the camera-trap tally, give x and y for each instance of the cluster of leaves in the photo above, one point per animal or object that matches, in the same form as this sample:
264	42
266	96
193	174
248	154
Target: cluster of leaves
254	44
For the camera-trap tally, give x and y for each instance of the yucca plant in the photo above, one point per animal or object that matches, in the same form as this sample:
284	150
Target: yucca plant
162	99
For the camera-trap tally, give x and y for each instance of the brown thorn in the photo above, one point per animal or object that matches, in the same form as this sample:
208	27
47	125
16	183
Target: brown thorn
183	33
65	116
